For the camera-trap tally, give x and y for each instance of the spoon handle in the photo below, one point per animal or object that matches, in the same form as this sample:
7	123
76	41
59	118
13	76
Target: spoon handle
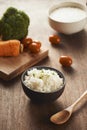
79	99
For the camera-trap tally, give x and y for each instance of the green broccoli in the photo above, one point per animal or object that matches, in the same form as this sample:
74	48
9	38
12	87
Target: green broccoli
14	24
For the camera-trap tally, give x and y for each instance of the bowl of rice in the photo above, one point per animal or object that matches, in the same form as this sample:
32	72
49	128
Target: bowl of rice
43	84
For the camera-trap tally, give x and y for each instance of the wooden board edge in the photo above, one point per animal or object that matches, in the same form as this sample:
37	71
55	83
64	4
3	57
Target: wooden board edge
22	68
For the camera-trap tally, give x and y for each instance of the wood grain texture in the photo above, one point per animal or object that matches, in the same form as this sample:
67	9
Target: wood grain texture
11	67
17	112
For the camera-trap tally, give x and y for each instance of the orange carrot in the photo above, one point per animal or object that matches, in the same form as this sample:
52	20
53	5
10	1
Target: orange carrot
10	48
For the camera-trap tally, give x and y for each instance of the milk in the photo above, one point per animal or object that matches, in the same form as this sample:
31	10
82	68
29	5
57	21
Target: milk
68	14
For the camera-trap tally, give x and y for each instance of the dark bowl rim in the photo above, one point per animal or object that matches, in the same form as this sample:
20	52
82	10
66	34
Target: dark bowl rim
44	67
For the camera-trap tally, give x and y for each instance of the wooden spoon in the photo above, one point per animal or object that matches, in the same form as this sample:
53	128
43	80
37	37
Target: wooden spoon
62	116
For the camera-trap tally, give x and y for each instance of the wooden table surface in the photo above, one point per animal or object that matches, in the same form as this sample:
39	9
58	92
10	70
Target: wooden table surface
17	112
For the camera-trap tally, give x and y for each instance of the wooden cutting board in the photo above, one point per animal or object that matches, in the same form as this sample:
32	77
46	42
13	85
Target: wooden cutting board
10	67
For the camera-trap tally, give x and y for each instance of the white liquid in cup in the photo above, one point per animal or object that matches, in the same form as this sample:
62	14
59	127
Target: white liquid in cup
68	14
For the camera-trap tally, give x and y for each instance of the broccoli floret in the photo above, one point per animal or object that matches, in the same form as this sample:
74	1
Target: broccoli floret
14	24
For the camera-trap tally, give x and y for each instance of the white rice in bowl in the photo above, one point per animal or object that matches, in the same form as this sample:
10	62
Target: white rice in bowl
43	80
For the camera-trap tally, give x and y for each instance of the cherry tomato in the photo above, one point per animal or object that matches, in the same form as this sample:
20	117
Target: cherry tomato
26	42
38	43
33	47
54	39
65	61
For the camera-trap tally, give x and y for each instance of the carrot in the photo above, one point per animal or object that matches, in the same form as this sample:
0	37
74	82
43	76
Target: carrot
10	48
